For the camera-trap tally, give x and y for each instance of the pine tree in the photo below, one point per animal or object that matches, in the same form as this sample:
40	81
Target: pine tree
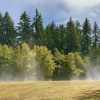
24	27
78	26
72	38
95	35
38	26
79	32
86	37
61	37
8	30
51	36
1	28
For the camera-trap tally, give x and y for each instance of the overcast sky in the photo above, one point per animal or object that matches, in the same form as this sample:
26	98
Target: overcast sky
56	10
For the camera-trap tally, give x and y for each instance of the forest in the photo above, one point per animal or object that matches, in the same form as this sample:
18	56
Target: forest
34	51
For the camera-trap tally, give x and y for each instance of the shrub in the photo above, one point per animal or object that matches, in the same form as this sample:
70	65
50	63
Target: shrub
46	61
69	66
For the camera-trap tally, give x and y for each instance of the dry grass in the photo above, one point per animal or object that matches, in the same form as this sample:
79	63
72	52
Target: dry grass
44	90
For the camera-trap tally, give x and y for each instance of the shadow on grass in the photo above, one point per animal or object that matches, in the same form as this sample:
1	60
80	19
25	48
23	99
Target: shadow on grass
94	95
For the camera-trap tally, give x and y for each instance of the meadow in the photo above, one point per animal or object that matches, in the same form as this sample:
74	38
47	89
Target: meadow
50	90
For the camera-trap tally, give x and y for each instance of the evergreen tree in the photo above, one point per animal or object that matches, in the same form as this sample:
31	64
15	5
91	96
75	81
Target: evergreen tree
8	30
51	36
1	28
72	38
38	26
24	27
79	32
95	35
86	37
78	26
61	37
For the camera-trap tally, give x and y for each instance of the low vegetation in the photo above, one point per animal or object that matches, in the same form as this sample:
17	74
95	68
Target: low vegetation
24	62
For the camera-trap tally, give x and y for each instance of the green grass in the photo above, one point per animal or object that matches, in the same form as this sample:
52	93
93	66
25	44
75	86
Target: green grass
49	90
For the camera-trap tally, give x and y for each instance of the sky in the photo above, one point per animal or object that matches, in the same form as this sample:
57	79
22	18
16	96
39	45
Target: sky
54	10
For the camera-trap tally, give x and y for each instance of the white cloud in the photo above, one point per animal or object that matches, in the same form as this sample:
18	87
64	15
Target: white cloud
81	3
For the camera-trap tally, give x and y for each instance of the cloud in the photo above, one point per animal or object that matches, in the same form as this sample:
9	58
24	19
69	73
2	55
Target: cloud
82	3
61	10
57	10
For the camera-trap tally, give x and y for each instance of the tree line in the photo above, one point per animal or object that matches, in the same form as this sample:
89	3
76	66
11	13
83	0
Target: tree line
70	37
54	51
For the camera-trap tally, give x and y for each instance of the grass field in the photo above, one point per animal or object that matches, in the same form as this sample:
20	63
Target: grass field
44	90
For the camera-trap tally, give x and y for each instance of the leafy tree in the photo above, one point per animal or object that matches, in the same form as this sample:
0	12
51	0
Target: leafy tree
69	66
95	57
7	68
62	71
45	59
24	27
24	62
78	67
86	37
72	38
17	63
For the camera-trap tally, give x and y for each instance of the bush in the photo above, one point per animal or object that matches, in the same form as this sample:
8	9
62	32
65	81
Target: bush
45	60
6	62
23	62
95	56
69	66
17	63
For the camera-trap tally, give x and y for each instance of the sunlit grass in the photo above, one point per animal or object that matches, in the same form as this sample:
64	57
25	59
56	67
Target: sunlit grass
44	90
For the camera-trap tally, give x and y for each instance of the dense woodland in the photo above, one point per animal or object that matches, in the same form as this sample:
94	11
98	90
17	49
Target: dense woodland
30	50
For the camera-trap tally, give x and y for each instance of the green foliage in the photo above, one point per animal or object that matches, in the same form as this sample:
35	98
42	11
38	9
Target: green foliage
55	37
86	39
69	66
61	38
51	36
95	56
77	63
38	27
72	38
40	54
6	61
95	41
24	27
16	63
23	62
24	58
45	60
38	24
8	30
1	28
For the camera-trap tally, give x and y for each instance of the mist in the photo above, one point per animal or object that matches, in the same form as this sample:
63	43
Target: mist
93	72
